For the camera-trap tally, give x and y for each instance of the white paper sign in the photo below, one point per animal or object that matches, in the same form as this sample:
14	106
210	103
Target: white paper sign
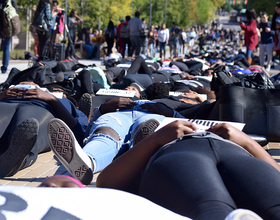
77	203
201	125
116	92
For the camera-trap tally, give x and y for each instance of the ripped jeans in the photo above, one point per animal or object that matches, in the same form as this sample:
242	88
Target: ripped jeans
102	148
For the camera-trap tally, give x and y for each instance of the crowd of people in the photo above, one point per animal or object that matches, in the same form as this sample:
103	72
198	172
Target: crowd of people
210	174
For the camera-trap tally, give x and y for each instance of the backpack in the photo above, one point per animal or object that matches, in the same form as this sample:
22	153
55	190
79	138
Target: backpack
10	20
124	31
144	31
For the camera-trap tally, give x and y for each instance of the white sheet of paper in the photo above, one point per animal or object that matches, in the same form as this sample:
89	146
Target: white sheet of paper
202	125
78	203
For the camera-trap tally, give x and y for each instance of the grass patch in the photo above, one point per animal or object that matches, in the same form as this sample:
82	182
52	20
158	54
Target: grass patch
15	54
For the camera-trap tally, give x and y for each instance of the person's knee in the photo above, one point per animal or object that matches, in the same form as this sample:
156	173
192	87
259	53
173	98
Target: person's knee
107	131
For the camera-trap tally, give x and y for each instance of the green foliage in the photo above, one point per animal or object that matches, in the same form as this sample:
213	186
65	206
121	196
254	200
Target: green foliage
183	12
261	6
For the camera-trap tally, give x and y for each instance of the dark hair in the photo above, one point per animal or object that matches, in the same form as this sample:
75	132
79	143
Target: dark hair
110	25
143	19
263	13
72	12
157	90
127	18
40	4
137	14
251	15
277	4
55	2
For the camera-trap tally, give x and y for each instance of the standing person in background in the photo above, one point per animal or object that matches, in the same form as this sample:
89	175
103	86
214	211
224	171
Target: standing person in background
135	27
124	34
183	39
6	41
144	36
110	35
152	41
43	36
73	21
119	40
173	39
163	37
60	27
251	35
266	45
192	37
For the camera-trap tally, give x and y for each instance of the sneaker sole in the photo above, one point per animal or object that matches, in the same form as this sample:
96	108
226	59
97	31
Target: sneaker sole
23	140
62	142
145	129
85	104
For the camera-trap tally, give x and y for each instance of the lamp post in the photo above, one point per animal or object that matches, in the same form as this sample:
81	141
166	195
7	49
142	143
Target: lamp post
150	13
165	12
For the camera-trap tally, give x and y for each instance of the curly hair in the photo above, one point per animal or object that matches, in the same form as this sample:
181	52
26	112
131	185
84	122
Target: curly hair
157	90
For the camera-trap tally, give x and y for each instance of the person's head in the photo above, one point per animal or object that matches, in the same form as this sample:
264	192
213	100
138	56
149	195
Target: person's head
73	13
264	17
110	24
152	27
137	14
127	18
135	88
41	2
277	8
89	31
96	32
251	15
61	181
54	5
163	26
122	20
174	24
144	20
157	90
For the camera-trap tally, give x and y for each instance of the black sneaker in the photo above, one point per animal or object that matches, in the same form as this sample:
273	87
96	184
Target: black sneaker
85	104
23	140
68	151
144	129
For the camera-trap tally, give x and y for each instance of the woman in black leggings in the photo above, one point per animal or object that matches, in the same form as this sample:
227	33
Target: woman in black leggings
199	175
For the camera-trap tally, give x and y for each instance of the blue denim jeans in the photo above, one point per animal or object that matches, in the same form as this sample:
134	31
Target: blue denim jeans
6	53
102	148
89	48
152	50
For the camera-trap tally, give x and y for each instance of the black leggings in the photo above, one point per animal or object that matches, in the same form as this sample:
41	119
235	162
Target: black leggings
207	178
139	65
12	114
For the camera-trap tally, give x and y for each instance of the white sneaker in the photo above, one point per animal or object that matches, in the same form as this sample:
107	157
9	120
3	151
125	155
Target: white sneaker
268	67
68	151
242	214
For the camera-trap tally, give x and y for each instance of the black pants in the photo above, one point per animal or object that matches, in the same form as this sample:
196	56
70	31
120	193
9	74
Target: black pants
69	49
125	42
43	37
110	44
12	114
206	178
139	66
